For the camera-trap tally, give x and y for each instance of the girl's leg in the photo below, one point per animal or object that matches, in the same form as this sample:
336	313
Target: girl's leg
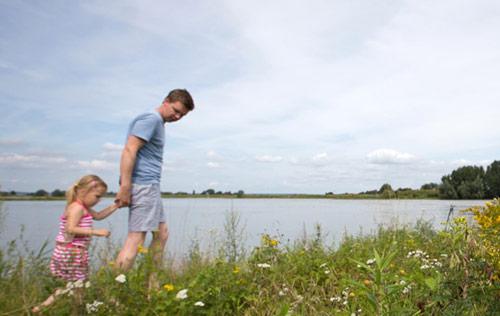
49	301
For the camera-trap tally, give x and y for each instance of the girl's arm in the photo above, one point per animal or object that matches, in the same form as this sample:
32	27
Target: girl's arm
74	214
104	213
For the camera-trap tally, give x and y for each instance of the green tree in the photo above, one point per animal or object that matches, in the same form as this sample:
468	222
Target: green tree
492	179
58	193
446	189
41	193
464	183
429	186
387	191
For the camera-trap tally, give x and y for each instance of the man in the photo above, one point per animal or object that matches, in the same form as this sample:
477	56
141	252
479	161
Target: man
140	173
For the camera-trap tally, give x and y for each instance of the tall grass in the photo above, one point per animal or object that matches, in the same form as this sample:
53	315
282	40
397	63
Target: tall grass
399	270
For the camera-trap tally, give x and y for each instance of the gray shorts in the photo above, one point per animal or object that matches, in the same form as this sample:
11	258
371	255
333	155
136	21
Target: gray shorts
146	208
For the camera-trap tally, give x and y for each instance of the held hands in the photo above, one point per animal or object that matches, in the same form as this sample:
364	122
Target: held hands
101	232
122	198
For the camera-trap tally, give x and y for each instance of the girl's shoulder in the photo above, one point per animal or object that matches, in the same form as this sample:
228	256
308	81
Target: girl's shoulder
75	209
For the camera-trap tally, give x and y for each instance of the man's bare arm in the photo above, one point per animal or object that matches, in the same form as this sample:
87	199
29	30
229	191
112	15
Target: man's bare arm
127	162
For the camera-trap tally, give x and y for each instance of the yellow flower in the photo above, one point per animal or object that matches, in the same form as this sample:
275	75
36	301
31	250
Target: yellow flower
352	294
141	249
169	287
236	270
402	272
273	242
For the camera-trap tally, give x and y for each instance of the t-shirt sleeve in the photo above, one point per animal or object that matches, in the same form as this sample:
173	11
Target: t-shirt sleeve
144	127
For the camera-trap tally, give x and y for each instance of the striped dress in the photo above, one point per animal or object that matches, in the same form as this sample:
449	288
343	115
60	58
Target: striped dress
70	259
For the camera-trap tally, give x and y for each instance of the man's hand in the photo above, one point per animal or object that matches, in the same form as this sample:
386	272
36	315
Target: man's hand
122	198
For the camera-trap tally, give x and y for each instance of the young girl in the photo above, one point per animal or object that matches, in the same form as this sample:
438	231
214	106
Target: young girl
70	257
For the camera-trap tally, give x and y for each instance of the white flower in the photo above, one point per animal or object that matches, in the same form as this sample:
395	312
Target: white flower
402	282
424	267
327	271
281	293
370	261
182	294
406	289
323	265
94	307
199	303
335	299
263	265
87	284
78	284
121	278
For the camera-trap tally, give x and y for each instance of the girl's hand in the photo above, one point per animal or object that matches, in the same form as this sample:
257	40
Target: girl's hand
102	232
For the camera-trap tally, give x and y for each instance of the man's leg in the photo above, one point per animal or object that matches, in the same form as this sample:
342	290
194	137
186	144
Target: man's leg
157	248
126	257
158	243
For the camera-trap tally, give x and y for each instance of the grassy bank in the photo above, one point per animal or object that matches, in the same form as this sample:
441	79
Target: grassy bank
397	271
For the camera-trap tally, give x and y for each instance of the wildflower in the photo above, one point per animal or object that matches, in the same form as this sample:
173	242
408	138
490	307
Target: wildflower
345	302
141	249
182	294
406	289
327	271
323	265
169	287
335	299
352	294
78	284
94	307
370	261
121	278
367	282
263	265
281	293
402	272
87	284
402	282
236	270
199	303
425	267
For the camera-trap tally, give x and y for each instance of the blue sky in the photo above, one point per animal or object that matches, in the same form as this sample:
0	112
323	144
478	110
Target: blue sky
291	96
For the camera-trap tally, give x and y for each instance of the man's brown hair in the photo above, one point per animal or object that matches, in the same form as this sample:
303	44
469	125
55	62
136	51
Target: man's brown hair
181	95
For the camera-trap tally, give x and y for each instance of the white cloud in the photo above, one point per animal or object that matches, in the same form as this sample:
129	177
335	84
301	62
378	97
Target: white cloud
321	159
268	158
30	160
389	156
112	147
98	165
212	164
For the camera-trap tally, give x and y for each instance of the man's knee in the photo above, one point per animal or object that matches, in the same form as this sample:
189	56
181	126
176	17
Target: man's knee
162	233
134	240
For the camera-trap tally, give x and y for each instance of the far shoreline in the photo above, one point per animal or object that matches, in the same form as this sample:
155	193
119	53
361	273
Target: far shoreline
248	196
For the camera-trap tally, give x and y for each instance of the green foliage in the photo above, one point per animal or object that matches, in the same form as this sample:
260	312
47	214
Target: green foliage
394	271
492	179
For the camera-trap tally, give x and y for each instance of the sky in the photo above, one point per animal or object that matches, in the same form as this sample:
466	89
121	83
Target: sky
290	96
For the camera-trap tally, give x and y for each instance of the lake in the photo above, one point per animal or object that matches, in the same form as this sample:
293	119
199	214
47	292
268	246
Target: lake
203	219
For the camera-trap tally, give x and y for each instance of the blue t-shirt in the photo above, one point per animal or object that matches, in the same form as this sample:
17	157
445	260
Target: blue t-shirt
150	128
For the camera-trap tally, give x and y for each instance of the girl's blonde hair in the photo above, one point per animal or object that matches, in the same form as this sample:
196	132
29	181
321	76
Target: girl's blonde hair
86	182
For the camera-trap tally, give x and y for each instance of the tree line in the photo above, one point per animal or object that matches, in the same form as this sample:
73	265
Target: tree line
467	182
